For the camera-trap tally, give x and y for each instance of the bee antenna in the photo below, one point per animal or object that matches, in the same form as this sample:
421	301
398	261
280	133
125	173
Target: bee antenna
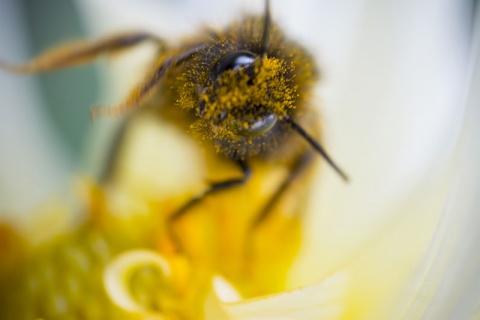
316	146
267	23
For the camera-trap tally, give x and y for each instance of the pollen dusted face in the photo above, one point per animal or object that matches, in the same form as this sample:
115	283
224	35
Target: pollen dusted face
240	95
241	107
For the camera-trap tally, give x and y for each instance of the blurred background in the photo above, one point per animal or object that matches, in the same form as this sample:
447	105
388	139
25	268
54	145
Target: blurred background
398	101
45	123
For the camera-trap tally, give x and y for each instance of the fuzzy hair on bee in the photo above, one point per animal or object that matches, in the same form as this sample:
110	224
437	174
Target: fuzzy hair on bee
244	91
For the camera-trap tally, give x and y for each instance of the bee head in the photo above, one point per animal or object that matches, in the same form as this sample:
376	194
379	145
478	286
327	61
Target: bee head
243	85
247	96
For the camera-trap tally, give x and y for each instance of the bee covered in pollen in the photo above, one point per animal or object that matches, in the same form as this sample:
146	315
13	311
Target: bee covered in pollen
244	92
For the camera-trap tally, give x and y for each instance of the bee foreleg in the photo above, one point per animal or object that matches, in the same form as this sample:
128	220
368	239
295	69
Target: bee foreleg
297	171
113	153
214	188
80	52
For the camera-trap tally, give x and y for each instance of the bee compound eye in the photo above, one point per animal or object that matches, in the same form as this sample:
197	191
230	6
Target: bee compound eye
235	60
259	126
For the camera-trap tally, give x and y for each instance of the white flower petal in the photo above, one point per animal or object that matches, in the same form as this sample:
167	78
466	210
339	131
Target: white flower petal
324	300
224	291
450	283
117	274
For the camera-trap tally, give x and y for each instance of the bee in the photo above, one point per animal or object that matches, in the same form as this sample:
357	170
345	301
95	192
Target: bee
243	91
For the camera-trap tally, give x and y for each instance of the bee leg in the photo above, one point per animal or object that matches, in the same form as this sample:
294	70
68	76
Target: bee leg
80	52
214	188
109	165
298	169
